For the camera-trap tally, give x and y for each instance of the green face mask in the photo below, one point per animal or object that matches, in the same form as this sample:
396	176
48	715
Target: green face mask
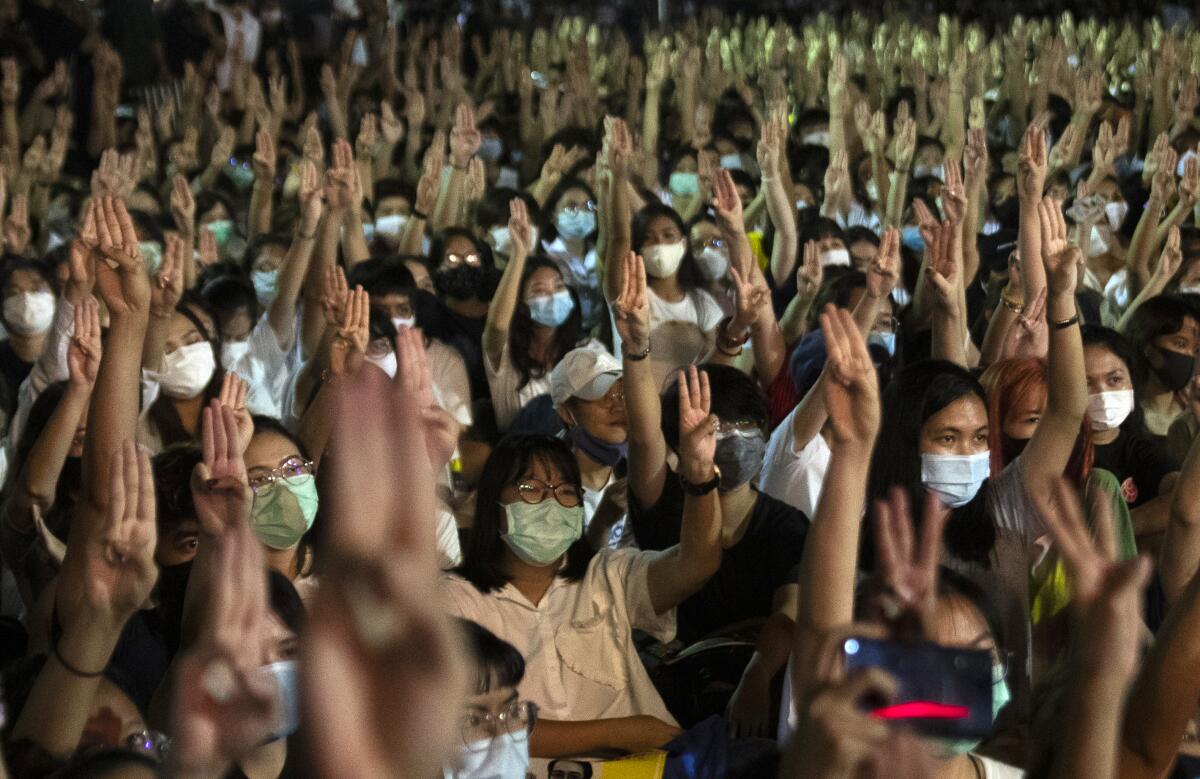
540	533
222	230
152	253
1001	695
285	511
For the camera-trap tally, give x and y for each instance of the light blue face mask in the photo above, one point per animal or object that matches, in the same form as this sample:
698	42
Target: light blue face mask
574	225
911	239
955	478
684	184
265	282
490	149
885	341
540	533
222	230
242	176
551	310
152	253
1001	695
731	161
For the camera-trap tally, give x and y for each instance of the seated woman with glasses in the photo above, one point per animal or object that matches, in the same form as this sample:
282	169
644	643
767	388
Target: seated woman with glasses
529	576
285	499
496	724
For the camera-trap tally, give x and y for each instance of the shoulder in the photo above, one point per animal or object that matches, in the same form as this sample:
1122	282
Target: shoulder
773	516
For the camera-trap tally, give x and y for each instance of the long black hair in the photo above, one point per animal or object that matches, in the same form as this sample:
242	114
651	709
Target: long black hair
1123	350
513	456
265	424
162	412
688	274
520	333
916	393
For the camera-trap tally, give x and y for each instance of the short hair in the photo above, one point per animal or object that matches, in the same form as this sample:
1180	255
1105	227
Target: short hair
1159	315
497	663
735	398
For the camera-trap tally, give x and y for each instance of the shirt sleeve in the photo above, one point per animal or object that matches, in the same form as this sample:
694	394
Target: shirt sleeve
794	475
1011	507
627	573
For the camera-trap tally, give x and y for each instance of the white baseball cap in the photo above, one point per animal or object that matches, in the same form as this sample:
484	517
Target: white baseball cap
587	373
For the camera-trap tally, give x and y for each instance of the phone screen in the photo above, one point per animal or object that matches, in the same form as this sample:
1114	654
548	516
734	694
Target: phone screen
941	691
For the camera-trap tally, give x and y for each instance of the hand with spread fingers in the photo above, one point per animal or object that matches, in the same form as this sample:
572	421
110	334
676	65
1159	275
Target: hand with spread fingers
220	488
349	347
120	270
632	307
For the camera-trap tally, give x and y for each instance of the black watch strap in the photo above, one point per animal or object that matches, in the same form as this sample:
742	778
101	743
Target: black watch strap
701	489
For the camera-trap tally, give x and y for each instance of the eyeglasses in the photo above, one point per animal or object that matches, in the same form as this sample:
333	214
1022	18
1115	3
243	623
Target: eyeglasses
455	260
715	243
292	468
477	727
535	491
742	427
576	208
886	324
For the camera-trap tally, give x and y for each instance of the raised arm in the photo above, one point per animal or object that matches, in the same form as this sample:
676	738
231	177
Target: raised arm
647	446
618	239
1050	448
262	195
282	312
1031	181
781	212
464	143
1179	558
683	569
942	275
505	300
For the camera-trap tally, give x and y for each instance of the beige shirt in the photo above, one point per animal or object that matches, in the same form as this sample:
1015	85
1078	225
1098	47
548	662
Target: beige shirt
580	660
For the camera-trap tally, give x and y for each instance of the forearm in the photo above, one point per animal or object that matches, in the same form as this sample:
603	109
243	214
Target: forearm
769	350
947	335
449	199
1183	208
155	343
260	209
620	235
324	258
1137	258
897	193
411	234
354	240
44	463
953	133
1152	288
11	127
1092	724
780	212
647	447
502	308
282	312
650	122
1002	320
1029	242
559	738
794	322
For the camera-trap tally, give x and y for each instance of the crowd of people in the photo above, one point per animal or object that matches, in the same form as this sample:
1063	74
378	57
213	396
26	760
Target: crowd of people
503	395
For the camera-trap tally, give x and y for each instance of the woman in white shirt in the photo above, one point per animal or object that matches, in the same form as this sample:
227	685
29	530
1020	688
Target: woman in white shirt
529	576
533	320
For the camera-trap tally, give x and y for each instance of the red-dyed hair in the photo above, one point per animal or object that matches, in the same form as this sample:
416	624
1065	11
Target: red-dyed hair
1009	383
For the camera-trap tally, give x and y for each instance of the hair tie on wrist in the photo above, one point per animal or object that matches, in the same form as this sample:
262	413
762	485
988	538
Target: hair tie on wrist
72	669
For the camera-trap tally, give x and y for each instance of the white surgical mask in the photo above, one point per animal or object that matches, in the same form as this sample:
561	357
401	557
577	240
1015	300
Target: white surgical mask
731	161
232	353
835	257
1189	154
1189	289
1116	214
801	204
29	313
385	362
955	478
712	263
872	191
663	259
390	226
501	239
187	370
1098	245
404	321
1107	410
816	138
505	756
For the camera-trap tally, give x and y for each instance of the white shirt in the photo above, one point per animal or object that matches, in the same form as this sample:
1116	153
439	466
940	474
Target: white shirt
794	475
620	534
698	307
264	368
251	32
504	383
451	386
50	367
580	660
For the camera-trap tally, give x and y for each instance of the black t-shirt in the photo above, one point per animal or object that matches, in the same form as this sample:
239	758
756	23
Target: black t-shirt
14	370
1139	461
766	558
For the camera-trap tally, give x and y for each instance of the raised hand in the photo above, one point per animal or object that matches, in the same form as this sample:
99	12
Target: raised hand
837	178
368	137
349	347
1189	185
339	179
1171	258
884	271
336	296
222	150
697	427
619	144
1155	156
751	294
464	138
390	127
770	146
632	307
905	144
942	270
16	227
851	390
416	378
954	198
167	289
1029	336
810	273
233	396
120	270
1031	165
208	248
476	183
910	570
220	487
1062	259
519	231
311	203
264	158
83	354
727	204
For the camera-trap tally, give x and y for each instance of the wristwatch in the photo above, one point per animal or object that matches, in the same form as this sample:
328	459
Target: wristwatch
701	489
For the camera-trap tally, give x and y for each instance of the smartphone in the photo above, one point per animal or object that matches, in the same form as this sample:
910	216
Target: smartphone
941	692
286	677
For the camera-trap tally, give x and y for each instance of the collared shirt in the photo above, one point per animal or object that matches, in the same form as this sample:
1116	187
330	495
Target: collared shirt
580	659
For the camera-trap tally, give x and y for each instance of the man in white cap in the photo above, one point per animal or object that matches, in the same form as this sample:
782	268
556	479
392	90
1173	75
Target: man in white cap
587	391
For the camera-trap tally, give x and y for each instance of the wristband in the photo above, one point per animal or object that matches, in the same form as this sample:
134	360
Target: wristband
72	669
638	357
1064	324
1012	305
415	214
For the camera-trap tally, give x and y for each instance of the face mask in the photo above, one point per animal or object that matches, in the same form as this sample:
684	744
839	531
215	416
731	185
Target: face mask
731	161
712	263
152	254
955	478
1012	447
551	310
835	257
1001	695
872	191
885	341
264	284
912	240
508	178
271	17
801	204
575	225
662	259
1189	289
404	321
29	313
1176	369
601	451
1188	155
816	138
1107	410
739	456
232	353
936	171
540	533
684	184
187	370
390	226
222	230
1098	245
501	240
283	513
241	177
505	756
490	149
284	676
385	362
1115	213
463	282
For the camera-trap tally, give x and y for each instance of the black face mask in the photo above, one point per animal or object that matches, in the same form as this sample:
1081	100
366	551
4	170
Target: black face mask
1176	369
1012	447
464	282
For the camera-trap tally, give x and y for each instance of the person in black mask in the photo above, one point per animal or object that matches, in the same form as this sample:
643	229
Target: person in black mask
588	393
465	277
1168	335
